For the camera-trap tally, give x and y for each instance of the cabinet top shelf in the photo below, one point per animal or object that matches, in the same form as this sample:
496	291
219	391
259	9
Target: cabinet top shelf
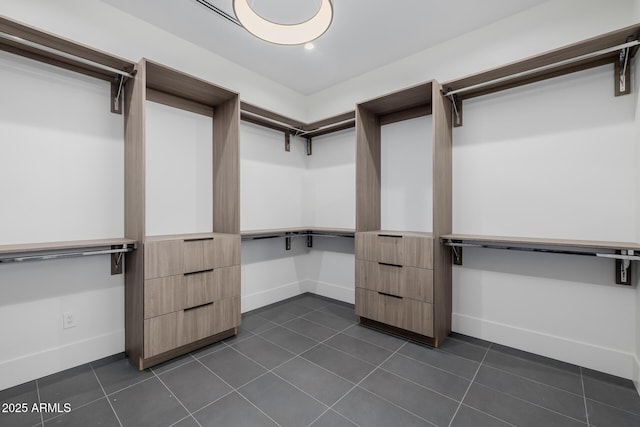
535	241
64	246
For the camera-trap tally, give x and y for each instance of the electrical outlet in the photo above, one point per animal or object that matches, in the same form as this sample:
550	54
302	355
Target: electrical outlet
68	320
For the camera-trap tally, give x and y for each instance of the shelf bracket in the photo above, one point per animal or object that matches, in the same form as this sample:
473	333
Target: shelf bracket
309	146
117	259
623	268
287	243
456	105
287	140
116	94
309	241
456	251
622	73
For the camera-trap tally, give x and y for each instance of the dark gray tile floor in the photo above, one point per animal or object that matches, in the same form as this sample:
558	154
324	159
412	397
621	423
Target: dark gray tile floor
307	362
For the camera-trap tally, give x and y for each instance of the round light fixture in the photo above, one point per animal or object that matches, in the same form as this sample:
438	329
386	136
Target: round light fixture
287	34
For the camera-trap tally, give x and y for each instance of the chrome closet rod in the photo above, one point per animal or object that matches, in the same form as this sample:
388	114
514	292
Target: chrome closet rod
63	255
544	67
295	131
64	54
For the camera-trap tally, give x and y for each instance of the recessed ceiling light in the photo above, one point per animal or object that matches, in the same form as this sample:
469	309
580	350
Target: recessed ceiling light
309	46
287	34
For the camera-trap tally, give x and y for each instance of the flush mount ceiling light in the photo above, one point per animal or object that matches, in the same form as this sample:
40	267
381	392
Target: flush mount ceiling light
286	34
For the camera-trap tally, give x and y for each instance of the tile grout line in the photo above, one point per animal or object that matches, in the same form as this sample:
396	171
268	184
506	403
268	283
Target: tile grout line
469	387
380	397
39	402
105	394
584	395
176	397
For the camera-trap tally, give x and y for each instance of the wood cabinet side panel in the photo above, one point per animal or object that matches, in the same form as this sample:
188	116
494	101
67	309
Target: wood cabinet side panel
365	246
162	333
226	167
367	170
134	211
226	250
442	200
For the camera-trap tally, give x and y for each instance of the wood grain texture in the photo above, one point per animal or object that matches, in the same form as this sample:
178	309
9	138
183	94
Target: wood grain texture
442	201
221	283
263	112
408	114
408	282
367	170
177	102
226	167
404	313
211	319
47	39
134	211
574	50
163	295
163	258
163	333
404	99
174	82
396	247
349	115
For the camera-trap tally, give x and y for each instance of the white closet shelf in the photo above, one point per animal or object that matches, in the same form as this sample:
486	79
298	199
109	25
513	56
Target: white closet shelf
69	249
622	252
294	232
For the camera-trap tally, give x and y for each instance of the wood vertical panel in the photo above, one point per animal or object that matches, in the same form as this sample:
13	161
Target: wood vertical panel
367	170
134	208
226	167
442	141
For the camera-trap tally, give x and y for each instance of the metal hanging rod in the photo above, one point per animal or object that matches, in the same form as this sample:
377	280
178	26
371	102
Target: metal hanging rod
295	131
65	55
545	67
56	255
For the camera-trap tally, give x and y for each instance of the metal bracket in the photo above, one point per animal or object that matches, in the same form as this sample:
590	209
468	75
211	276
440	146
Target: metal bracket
287	243
622	73
456	104
456	251
623	269
116	94
309	241
287	140
117	259
308	146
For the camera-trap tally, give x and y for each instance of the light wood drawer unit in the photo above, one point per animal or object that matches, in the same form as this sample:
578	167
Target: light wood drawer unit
411	315
167	294
410	249
169	331
191	293
403	281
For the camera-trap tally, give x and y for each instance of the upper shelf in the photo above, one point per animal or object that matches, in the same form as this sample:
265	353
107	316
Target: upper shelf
412	102
29	42
593	52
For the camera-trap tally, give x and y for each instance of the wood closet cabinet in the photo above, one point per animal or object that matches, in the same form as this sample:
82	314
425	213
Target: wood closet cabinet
403	278
182	291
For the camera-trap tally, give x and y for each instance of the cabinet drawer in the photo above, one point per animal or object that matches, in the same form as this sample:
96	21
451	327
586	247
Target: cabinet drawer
409	282
405	313
162	295
211	252
213	285
210	319
162	258
395	248
162	333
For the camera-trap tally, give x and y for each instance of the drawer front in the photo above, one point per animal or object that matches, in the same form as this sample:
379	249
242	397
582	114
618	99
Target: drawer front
212	285
162	258
162	333
210	319
213	252
409	314
162	295
409	282
395	248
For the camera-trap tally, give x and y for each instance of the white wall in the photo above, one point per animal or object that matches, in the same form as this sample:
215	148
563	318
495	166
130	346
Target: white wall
179	171
281	189
406	175
552	159
636	268
103	27
62	172
536	30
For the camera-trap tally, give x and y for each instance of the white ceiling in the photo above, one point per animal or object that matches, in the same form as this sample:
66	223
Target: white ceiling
364	35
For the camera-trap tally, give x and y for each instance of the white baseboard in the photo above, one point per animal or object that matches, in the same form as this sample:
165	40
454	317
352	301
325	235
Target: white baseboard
36	365
330	290
269	296
636	376
611	361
